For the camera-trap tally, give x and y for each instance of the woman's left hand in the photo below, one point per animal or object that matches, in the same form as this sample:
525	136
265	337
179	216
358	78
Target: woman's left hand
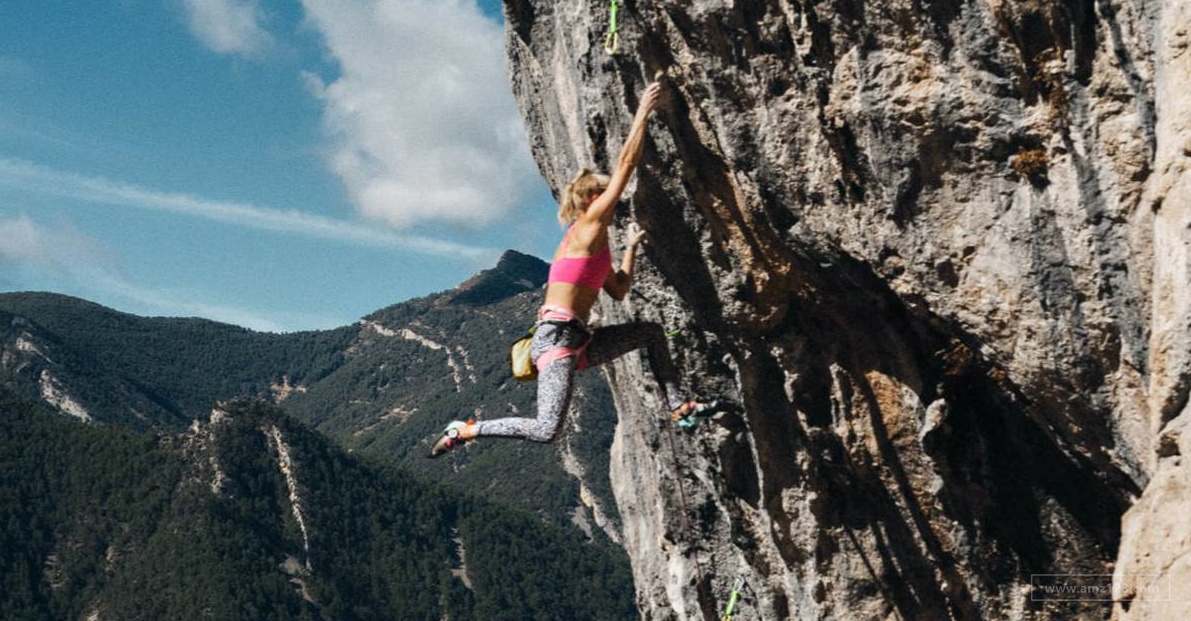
635	234
649	100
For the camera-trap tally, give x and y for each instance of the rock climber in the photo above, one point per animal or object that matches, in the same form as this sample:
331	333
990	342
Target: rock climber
563	343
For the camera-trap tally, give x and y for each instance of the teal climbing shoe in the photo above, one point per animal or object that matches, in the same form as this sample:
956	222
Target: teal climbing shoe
451	439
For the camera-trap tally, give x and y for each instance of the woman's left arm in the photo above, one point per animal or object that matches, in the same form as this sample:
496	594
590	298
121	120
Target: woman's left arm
618	283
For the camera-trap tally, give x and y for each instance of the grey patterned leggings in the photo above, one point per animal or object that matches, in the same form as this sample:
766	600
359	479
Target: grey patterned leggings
556	379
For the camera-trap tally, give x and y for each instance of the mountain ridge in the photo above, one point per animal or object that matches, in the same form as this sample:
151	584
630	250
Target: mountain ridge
384	385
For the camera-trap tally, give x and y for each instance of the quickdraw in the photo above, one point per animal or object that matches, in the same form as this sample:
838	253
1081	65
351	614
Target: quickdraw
612	39
732	599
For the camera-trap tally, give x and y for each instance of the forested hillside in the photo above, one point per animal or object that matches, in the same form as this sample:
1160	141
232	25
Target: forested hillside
250	516
182	365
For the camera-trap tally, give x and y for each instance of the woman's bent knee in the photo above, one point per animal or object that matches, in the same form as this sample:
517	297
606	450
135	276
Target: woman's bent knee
542	433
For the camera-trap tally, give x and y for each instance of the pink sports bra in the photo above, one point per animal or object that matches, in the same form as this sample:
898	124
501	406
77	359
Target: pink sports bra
587	272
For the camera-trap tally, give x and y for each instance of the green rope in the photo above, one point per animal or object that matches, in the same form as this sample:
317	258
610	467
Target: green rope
612	40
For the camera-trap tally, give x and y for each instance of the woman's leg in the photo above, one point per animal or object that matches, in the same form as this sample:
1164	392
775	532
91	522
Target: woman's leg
611	342
554	396
554	387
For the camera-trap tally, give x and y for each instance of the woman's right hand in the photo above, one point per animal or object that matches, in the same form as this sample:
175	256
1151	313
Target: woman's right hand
635	234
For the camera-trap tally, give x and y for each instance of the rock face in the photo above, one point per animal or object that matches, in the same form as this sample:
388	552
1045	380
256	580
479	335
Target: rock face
938	250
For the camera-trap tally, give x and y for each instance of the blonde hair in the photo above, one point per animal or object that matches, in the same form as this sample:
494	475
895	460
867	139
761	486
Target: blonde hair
574	197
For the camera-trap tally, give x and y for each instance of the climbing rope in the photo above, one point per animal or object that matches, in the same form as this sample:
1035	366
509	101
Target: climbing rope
612	39
686	520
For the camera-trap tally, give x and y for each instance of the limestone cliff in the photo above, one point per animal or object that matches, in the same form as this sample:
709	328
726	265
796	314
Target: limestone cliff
938	250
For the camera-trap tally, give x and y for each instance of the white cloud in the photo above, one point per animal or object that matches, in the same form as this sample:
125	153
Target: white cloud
92	267
99	190
422	116
18	239
229	26
64	250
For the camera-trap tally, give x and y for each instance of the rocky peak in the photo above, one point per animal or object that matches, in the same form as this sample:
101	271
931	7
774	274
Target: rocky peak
514	273
521	266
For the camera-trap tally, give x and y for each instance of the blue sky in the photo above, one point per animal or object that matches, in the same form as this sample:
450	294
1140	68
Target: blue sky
278	164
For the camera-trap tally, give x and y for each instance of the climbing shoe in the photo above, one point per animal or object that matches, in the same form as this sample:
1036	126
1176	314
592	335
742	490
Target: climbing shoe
690	413
451	438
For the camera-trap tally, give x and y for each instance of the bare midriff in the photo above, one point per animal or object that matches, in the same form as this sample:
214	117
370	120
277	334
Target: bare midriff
575	297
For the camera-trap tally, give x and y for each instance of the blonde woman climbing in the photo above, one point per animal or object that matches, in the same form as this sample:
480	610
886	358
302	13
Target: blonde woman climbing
582	266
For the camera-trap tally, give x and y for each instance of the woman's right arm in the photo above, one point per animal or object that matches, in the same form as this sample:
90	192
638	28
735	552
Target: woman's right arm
604	207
